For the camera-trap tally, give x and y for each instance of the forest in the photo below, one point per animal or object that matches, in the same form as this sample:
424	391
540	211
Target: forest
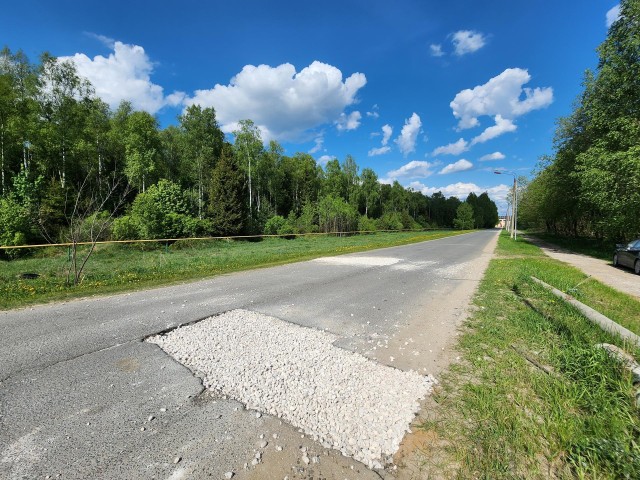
73	169
590	186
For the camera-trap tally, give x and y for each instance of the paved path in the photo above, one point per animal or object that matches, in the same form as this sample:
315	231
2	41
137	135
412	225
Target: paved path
619	278
82	396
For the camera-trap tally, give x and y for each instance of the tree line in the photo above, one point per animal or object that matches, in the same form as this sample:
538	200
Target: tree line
590	186
73	169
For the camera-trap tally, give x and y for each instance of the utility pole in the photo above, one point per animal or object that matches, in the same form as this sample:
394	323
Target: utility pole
514	208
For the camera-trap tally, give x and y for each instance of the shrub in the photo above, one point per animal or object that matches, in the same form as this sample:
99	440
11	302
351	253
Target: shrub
125	228
390	221
366	224
336	215
274	224
408	223
14	226
308	220
163	211
91	226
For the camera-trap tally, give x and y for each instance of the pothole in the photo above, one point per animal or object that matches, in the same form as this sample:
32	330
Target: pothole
339	398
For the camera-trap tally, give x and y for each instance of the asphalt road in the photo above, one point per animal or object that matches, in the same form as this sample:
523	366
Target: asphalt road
83	396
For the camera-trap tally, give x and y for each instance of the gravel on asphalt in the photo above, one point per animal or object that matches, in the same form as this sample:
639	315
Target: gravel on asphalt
340	398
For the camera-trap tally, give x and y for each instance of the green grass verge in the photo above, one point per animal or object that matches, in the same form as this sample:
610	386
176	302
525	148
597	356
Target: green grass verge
497	415
587	246
616	305
118	268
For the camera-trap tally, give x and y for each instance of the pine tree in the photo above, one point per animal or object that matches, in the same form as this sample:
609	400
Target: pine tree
227	190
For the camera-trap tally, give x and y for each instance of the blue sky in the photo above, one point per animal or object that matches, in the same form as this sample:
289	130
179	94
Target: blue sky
433	94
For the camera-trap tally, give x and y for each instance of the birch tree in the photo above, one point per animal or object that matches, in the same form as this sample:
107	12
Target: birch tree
247	149
202	142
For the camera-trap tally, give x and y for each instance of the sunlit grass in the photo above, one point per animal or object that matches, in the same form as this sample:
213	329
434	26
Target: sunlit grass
498	415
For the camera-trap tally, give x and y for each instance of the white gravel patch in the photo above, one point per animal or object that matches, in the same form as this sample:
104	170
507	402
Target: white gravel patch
359	261
455	269
340	398
412	266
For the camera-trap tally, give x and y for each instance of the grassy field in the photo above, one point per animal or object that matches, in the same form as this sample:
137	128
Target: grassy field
532	396
117	268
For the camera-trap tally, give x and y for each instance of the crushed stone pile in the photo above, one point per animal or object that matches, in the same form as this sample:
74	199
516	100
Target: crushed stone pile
339	398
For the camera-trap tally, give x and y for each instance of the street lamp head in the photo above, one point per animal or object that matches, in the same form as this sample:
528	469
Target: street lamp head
505	172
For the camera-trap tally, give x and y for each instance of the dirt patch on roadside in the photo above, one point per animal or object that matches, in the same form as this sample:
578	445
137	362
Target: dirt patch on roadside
421	454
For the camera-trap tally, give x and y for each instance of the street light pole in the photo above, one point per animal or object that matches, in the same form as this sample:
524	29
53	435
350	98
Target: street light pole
514	209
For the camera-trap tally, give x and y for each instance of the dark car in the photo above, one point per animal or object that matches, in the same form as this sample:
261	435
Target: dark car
628	255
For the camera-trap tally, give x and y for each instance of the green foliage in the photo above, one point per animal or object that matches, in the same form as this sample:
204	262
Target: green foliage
464	217
369	190
201	142
90	228
308	221
64	151
126	227
485	212
489	211
366	224
590	185
390	221
290	225
17	211
274	224
247	150
335	180
336	215
162	211
408	222
14	224
142	147
226	210
611	180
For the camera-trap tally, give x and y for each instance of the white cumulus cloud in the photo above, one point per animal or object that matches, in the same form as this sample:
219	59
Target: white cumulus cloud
387	131
492	156
409	134
613	15
459	166
125	74
319	141
502	95
502	125
468	41
455	148
374	112
379	151
436	50
348	122
286	104
324	159
413	169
